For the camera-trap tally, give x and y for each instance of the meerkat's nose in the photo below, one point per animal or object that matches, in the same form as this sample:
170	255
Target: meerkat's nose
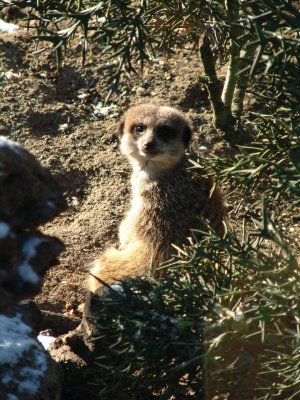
148	146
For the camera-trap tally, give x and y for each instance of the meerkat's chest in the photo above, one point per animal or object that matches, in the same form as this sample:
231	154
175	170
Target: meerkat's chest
166	208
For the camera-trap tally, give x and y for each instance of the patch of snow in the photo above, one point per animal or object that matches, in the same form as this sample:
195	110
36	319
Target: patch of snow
45	340
14	339
29	247
27	274
12	397
30	377
15	343
28	252
103	111
4	230
50	204
6	27
6	378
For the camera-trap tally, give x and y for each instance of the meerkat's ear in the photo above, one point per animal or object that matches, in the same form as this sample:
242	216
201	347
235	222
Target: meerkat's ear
187	135
121	125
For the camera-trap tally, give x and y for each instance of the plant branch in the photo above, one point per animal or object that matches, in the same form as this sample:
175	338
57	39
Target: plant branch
212	82
232	7
242	81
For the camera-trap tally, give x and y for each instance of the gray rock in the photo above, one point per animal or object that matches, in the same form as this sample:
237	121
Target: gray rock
27	372
29	194
29	197
24	259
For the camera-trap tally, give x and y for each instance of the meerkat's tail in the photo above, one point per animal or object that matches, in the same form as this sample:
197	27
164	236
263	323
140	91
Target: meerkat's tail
135	259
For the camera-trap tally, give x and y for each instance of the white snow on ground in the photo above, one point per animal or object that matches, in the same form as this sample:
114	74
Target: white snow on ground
12	397
6	27
27	274
29	247
50	204
14	339
4	230
15	344
29	251
46	340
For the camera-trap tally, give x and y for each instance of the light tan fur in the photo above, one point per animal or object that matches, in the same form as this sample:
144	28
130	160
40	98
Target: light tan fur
165	203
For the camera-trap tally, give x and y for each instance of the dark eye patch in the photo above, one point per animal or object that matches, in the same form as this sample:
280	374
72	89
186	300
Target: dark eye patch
165	132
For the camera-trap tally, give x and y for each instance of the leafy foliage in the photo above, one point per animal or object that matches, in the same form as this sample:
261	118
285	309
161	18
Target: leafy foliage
130	32
223	320
149	339
257	329
274	154
149	335
273	159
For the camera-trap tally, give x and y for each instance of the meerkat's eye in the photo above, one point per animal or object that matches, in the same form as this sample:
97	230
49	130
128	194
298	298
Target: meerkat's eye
166	133
138	129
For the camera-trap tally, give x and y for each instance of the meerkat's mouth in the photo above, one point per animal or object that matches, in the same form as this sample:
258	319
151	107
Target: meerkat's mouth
150	154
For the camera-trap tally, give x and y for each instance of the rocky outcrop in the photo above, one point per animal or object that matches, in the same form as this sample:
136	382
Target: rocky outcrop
29	197
77	360
27	372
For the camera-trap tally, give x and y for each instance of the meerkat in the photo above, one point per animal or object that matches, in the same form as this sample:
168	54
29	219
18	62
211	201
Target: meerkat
166	203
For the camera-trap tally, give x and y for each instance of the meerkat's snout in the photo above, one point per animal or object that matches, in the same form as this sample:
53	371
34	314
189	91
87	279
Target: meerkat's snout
149	147
146	141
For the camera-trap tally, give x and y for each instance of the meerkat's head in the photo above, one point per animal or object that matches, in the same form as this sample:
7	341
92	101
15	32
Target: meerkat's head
154	136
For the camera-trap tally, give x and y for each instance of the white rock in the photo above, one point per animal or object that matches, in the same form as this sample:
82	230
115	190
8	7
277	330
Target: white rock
63	127
83	96
6	27
117	287
12	76
101	110
46	340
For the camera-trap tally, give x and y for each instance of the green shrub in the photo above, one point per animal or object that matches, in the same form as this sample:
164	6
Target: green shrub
149	339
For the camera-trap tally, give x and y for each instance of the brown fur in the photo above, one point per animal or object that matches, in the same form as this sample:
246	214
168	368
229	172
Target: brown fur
166	202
